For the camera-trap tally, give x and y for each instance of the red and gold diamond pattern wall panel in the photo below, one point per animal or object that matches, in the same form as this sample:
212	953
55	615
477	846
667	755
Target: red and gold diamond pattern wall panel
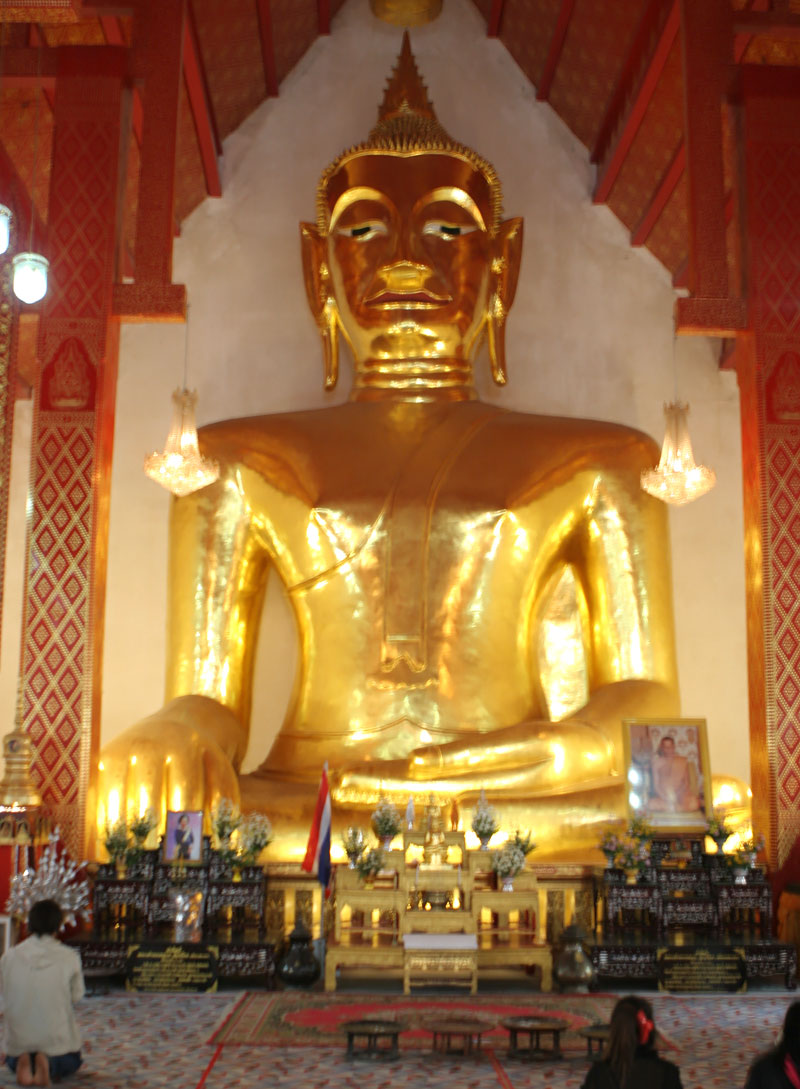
56	653
526	30
599	35
230	47
295	25
773	185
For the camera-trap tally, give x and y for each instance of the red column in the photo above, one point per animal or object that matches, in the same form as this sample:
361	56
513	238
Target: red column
73	425
769	373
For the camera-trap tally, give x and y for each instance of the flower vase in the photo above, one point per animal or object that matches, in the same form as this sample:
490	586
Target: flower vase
369	881
631	876
485	842
121	868
508	884
740	875
720	842
609	860
387	843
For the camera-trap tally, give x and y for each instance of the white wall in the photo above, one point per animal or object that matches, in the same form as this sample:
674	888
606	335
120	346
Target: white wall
590	335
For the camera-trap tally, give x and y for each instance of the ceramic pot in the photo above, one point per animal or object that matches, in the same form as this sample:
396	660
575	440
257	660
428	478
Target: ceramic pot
298	967
508	884
572	969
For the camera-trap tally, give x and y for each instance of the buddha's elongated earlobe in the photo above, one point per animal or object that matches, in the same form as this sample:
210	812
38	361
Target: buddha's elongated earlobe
503	288
321	299
496	333
329	331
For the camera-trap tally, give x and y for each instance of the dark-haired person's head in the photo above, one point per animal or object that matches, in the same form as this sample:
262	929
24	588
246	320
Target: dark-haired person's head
631	1029
44	918
790	1037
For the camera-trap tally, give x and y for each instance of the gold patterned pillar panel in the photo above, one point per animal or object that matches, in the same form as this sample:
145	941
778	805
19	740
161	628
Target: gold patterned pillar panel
71	446
768	365
7	380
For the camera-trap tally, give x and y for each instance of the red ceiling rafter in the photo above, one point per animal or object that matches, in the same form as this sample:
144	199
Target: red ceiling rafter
495	19
658	202
554	50
324	10
267	46
200	102
741	40
632	97
112	29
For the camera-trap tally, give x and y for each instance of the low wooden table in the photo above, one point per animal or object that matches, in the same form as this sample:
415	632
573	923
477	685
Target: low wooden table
380	1039
595	1037
534	1028
465	1031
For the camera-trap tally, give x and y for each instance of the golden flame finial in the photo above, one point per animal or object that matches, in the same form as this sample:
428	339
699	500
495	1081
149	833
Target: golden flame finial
405	91
407	125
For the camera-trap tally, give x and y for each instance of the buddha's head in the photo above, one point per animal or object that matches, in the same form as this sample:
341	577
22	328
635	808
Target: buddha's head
409	257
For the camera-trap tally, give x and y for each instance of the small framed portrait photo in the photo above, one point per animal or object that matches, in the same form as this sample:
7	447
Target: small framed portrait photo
667	772
183	840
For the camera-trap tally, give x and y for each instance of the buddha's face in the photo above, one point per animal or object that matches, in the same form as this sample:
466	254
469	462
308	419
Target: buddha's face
409	255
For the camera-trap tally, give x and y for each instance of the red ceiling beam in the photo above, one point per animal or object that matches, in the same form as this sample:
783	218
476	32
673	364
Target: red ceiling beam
202	111
495	19
267	46
324	13
706	41
162	33
554	51
631	101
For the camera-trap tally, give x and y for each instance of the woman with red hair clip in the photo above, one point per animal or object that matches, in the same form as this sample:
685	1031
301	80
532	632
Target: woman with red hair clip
631	1060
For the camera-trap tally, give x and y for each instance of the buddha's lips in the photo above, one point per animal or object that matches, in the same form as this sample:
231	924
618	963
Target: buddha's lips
406	298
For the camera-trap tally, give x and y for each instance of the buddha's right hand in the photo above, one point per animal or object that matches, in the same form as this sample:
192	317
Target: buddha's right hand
182	757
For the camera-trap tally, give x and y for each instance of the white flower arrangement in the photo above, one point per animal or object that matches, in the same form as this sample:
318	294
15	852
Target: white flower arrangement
484	819
510	860
225	819
386	820
255	833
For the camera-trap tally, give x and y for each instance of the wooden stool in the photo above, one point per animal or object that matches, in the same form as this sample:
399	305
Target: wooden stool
465	1031
595	1036
380	1039
534	1028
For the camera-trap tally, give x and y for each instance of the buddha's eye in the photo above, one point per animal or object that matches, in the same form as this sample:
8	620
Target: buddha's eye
439	229
362	232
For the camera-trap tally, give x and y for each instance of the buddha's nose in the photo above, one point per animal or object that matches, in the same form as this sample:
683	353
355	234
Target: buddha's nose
405	276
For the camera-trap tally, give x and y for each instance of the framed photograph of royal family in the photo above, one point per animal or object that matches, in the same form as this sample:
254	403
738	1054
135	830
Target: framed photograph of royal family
667	772
183	839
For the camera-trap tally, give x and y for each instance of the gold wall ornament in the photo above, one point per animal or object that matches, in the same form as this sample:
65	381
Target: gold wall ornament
406	12
421	536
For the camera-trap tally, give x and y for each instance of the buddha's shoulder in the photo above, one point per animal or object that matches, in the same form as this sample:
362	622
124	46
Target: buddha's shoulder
593	441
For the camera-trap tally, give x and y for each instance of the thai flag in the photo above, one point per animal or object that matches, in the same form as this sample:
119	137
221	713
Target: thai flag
318	851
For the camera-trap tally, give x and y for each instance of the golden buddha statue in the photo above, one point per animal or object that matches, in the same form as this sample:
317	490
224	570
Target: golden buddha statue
481	596
434	848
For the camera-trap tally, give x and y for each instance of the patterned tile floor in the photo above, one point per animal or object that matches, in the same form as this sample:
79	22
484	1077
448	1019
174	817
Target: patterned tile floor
160	1041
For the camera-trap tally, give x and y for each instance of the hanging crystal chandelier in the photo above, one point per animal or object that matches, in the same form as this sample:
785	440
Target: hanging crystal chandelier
677	479
181	468
29	270
5	228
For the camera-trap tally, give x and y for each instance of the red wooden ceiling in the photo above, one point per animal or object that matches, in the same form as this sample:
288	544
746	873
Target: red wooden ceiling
612	69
